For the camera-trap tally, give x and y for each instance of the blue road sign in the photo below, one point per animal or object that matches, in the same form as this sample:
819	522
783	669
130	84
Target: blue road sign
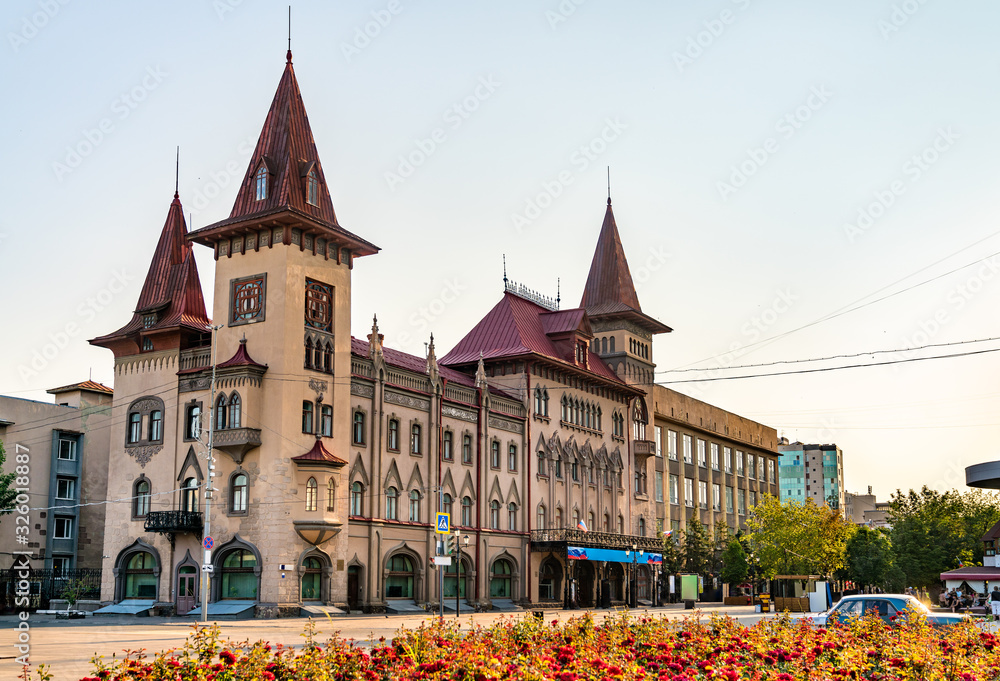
443	523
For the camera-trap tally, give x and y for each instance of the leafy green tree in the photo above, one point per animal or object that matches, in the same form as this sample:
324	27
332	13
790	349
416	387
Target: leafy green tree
869	559
7	492
797	539
735	567
698	548
933	531
673	555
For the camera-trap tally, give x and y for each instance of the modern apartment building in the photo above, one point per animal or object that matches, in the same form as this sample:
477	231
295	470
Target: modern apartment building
812	472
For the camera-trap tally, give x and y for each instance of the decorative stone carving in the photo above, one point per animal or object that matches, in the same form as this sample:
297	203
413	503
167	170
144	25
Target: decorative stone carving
457	413
143	454
503	424
319	387
407	401
362	390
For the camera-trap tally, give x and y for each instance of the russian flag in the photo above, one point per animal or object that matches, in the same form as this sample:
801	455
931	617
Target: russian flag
581	526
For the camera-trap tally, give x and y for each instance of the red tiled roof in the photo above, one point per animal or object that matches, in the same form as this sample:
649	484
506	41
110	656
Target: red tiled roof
403	360
287	149
515	327
609	289
320	454
241	359
92	386
172	288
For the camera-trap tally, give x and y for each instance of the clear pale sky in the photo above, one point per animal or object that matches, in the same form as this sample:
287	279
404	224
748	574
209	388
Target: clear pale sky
772	162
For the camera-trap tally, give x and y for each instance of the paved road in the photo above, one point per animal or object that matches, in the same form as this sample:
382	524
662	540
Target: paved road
68	646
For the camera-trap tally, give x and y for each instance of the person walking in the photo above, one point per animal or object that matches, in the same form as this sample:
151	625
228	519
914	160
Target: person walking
995	602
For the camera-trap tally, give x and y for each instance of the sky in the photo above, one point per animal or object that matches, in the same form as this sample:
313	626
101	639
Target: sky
790	180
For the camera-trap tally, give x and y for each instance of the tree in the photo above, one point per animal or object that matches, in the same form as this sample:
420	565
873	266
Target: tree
869	559
933	531
735	567
797	539
7	492
698	548
673	557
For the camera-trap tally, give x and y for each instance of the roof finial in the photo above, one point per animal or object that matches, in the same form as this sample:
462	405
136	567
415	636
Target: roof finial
558	291
505	271
177	173
288	55
609	185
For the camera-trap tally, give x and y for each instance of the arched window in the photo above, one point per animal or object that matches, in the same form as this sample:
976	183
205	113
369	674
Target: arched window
308	363
598	426
542	469
193	426
312	579
564	409
239	578
359	428
642	527
495	515
140	579
391	499
311	489
415	438
260	183
466	512
540	521
512	517
326	420
155	425
611	344
590	520
446	503
446	452
141	498
576	519
512	457
331	495
307	416
238	494
414	506
189	495
312	188
220	412
538	401
327	357
558	467
393	436
558	519
621	524
500	579
495	454
399	581
466	449
604	346
235	407
134	427
357	496
545	401
607	523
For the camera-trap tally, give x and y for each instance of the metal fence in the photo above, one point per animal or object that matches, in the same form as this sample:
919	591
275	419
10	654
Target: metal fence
46	585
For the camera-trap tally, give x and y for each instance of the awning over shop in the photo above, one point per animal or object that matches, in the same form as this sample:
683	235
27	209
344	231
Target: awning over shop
613	555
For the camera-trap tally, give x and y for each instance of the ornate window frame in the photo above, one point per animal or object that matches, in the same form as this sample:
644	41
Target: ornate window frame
242	292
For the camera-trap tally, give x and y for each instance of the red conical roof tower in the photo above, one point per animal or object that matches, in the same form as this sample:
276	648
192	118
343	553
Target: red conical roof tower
171	308
284	184
609	292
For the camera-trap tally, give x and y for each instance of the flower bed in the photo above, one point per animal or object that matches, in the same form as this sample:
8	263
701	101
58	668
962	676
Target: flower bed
622	647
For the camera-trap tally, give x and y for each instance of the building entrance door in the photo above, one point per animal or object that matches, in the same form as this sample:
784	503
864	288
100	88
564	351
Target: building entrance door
185	589
353	587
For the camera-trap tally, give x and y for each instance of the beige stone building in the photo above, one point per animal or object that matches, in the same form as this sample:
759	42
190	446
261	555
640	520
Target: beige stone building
333	455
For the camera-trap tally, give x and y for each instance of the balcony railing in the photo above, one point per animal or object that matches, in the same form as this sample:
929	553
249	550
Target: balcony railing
236	442
174	521
542	540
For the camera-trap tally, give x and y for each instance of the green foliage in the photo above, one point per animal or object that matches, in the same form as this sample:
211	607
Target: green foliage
797	539
673	555
7	493
933	531
698	549
735	567
869	560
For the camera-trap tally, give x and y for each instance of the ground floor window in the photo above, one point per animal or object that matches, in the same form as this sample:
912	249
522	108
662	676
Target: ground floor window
399	582
140	582
501	579
239	579
452	583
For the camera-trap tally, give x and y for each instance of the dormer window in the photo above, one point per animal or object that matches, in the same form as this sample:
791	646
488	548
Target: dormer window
260	183
312	188
148	321
147	344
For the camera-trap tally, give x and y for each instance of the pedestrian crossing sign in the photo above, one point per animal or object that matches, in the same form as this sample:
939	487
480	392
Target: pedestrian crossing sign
443	523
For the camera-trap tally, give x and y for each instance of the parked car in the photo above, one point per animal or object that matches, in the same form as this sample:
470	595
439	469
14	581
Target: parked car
886	606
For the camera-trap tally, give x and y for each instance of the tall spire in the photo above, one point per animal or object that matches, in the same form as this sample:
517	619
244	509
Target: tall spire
171	296
288	55
609	289
432	362
177	174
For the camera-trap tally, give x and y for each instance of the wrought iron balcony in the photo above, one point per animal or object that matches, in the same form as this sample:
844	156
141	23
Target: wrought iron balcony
549	540
174	521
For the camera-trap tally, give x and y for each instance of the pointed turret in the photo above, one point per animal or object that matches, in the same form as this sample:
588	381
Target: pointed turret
284	185
609	291
432	363
171	308
375	340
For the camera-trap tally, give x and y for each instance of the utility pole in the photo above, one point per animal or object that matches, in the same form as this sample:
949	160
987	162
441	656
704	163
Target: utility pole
443	543
458	571
206	562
